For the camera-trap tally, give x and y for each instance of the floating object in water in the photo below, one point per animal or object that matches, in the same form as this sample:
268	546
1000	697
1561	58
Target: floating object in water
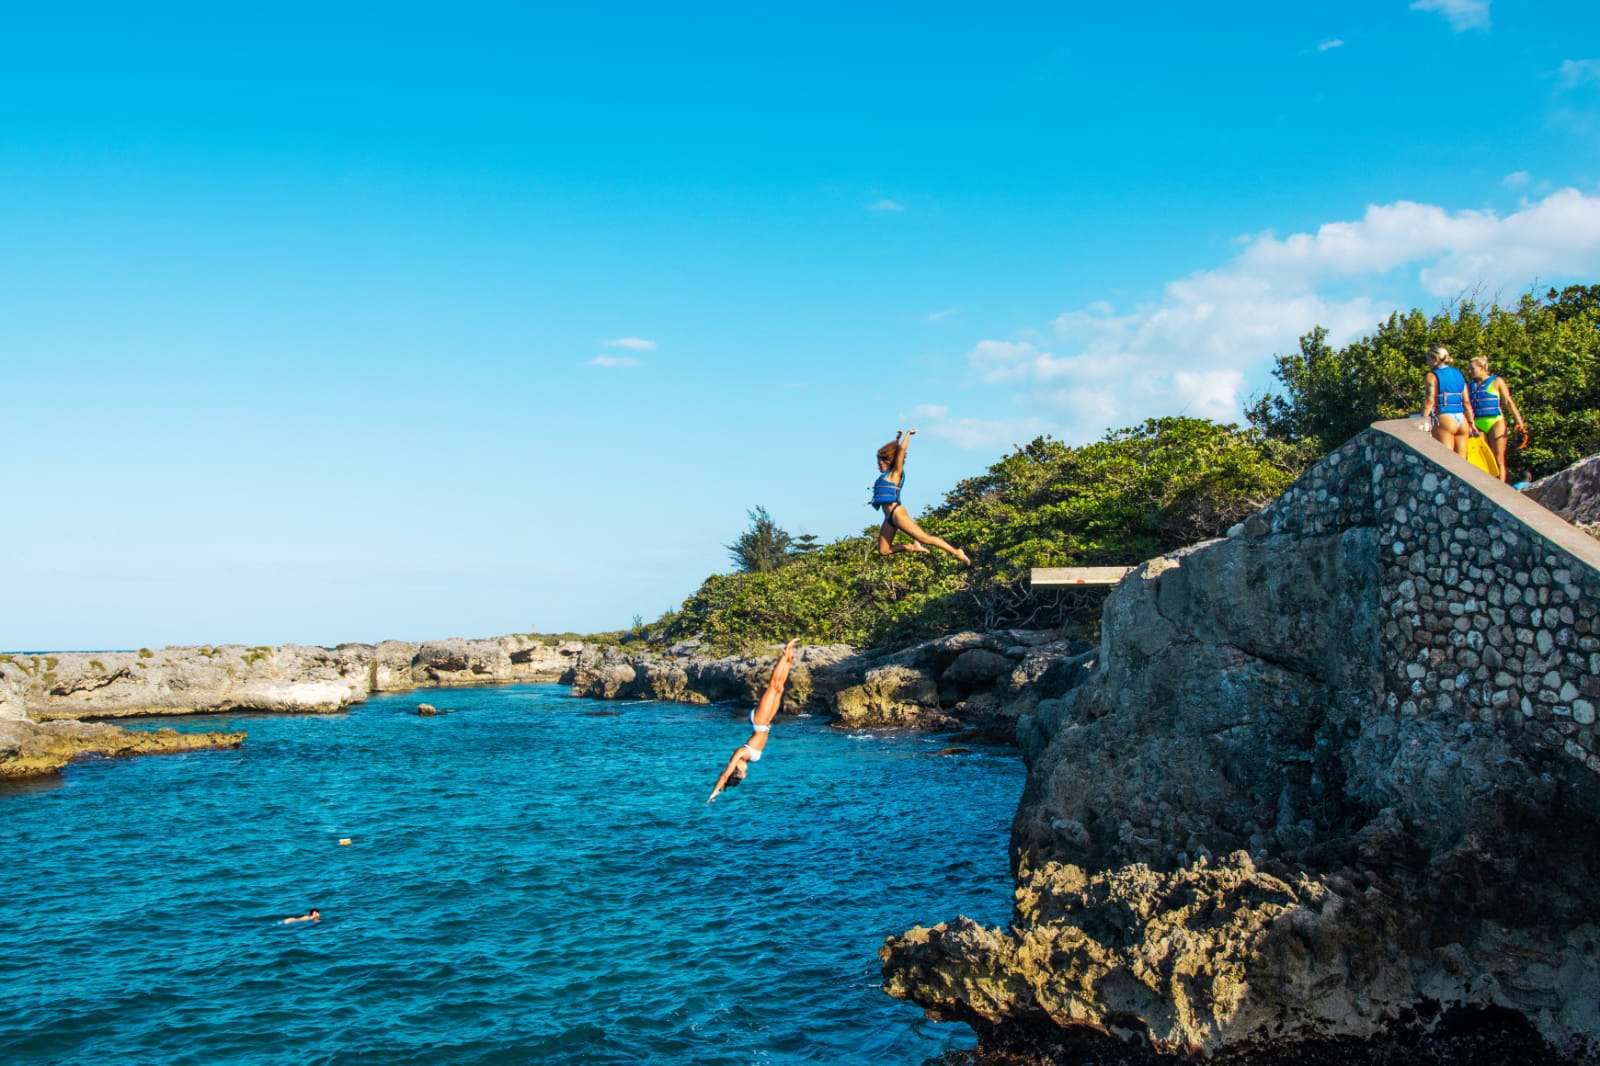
426	710
953	751
344	842
1480	455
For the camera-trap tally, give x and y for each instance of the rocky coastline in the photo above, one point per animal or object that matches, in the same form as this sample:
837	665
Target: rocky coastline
1326	791
978	684
1328	794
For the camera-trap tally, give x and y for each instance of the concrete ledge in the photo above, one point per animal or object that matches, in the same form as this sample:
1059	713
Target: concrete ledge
1547	524
1047	577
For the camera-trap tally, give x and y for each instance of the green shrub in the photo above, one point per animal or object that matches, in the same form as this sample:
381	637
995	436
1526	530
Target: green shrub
1133	495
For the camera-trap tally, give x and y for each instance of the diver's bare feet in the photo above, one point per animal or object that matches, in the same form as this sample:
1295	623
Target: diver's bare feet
915	548
963	557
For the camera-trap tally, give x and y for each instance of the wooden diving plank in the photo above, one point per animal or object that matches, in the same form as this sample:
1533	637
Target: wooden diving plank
1049	577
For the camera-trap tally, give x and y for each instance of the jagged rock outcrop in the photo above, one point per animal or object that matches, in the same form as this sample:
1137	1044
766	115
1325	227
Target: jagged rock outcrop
1375	700
13	689
981	681
1573	493
289	678
892	695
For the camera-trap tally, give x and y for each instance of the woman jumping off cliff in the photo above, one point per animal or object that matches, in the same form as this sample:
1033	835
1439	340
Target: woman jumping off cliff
760	724
886	498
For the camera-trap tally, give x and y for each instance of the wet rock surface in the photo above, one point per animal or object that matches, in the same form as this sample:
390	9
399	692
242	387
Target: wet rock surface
1325	794
37	749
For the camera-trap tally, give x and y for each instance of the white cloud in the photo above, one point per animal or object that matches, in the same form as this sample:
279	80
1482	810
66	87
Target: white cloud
633	344
1517	179
1330	44
930	410
986	432
1196	348
886	204
1463	14
613	361
1576	72
940	316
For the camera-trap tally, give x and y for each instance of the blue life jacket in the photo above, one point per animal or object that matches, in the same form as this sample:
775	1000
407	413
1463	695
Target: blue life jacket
1485	397
885	492
1452	383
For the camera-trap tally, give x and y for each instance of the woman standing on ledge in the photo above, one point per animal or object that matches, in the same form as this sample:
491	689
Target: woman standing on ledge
1490	396
886	498
760	724
1447	402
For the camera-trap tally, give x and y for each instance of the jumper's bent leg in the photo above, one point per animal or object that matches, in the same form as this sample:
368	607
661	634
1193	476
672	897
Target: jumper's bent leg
886	544
907	525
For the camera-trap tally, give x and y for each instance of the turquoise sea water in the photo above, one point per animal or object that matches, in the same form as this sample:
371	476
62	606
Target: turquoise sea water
529	882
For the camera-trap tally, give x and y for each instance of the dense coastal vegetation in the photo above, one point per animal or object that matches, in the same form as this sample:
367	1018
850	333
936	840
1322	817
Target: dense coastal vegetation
1147	489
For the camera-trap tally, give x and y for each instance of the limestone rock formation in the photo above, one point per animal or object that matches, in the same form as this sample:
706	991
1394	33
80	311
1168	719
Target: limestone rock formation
1376	703
290	678
35	749
981	681
1573	493
892	695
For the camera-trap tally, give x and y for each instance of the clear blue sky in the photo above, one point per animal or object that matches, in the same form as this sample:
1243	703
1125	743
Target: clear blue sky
300	308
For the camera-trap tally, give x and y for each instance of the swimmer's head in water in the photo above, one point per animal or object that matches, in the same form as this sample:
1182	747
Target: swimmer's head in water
314	913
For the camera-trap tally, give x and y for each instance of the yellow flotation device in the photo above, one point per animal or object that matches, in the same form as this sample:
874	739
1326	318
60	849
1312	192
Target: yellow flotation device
1480	455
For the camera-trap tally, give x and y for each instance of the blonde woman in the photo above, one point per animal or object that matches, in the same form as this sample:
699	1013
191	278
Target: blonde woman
1448	404
1491	397
760	725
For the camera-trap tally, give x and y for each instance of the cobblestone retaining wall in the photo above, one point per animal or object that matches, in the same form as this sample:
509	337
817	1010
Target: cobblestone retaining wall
1488	609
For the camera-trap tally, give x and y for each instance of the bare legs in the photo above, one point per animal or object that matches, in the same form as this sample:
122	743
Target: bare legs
898	519
886	544
767	709
1451	430
1497	441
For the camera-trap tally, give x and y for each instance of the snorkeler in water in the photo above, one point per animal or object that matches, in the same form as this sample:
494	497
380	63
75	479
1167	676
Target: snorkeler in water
896	519
312	915
760	724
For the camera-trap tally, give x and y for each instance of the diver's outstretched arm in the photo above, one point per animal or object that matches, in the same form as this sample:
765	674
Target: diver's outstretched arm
722	781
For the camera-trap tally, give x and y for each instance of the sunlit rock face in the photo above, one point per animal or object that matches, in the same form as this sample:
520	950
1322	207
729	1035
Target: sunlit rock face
974	681
1573	493
1331	779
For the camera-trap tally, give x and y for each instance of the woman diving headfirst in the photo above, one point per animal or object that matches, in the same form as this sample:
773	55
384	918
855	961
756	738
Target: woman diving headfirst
760	724
886	498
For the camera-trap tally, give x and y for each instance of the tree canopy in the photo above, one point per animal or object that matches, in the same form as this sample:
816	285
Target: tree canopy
1547	349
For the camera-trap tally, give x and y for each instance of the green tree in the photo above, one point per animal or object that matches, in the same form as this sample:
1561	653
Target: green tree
763	547
805	544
